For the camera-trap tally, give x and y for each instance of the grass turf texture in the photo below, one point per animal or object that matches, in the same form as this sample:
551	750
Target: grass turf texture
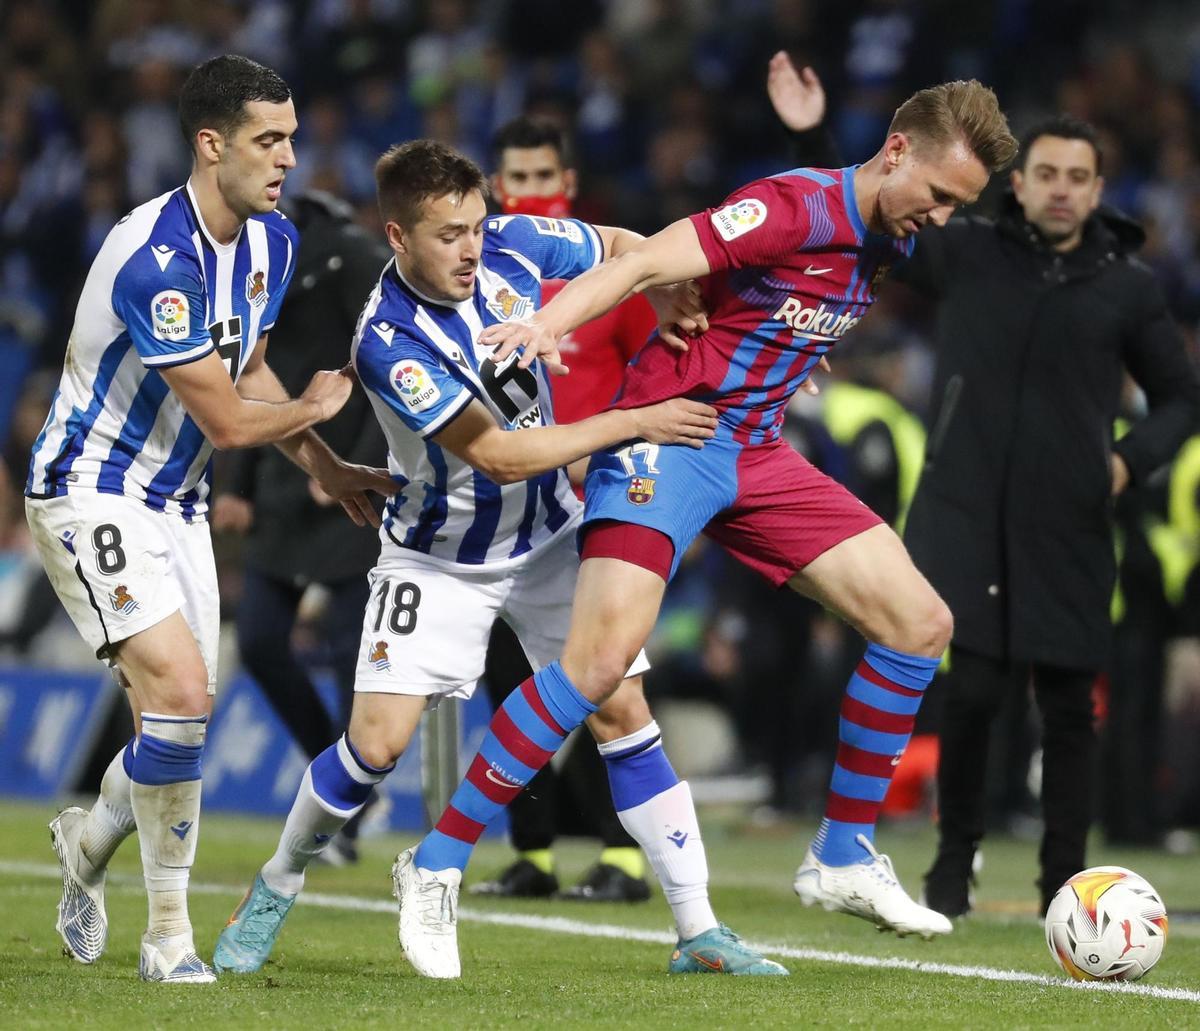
335	967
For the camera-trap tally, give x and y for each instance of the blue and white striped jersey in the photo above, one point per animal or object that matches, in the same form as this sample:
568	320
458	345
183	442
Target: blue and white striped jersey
421	366
161	292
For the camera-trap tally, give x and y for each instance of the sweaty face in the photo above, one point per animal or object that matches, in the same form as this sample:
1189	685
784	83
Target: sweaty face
256	156
532	172
1058	187
925	184
440	254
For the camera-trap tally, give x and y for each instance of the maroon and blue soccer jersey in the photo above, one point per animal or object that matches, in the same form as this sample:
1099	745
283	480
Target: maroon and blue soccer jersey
793	268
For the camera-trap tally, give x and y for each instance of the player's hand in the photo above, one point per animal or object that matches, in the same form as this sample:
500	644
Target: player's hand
797	96
330	390
348	483
680	311
231	514
678	421
528	336
809	386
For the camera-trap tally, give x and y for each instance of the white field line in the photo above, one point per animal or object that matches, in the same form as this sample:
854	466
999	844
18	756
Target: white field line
581	928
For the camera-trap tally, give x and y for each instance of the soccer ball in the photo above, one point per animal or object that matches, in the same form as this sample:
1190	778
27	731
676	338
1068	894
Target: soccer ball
1106	924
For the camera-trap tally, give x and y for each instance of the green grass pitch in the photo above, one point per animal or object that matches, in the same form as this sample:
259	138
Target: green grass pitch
560	965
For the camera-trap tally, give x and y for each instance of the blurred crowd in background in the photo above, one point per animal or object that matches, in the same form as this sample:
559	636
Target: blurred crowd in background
666	103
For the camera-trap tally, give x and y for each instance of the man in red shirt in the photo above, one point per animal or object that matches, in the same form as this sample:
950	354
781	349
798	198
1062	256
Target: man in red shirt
533	177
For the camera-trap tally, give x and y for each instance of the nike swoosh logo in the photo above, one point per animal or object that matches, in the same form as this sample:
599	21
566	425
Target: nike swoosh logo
714	965
499	780
810	271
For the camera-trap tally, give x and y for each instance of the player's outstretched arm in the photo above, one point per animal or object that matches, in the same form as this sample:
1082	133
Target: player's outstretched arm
670	256
230	421
342	481
510	456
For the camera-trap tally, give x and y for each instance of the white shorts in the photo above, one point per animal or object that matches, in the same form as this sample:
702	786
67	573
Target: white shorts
427	624
118	567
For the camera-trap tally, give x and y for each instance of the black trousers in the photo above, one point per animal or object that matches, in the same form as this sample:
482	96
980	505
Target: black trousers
572	800
975	691
265	619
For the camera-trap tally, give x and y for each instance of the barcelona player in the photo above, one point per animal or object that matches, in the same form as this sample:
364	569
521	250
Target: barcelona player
789	264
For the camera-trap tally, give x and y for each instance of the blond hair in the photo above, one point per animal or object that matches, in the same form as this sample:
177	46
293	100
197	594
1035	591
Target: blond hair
966	111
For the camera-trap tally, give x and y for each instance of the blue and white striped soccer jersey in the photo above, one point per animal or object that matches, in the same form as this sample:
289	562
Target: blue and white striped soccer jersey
118	483
161	292
457	549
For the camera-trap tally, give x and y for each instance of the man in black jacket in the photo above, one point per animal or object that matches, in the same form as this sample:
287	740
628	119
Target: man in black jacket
294	535
1040	313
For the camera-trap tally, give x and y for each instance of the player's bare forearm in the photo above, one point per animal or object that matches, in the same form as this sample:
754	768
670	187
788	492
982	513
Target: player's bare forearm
305	448
510	456
670	256
229	420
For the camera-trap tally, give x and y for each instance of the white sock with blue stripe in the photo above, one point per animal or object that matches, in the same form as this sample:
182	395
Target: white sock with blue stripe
655	808
165	797
335	787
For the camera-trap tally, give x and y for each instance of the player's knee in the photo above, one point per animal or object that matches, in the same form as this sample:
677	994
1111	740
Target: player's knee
378	743
597	675
924	626
184	693
623	714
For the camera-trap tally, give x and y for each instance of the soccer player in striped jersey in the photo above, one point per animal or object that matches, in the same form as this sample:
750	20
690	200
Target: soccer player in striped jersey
483	526
788	265
166	360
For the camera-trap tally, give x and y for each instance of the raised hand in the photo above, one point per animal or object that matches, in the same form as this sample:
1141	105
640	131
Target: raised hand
797	96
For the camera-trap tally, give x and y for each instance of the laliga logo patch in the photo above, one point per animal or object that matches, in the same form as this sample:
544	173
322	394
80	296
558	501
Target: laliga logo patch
379	657
122	601
736	219
509	305
414	385
641	490
256	289
169	314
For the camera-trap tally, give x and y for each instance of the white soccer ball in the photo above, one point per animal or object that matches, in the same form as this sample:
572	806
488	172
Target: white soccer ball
1106	924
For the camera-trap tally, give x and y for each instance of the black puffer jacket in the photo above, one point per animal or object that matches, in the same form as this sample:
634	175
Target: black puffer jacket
1012	519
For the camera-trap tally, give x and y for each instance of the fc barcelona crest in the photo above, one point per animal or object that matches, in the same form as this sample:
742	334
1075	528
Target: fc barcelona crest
641	490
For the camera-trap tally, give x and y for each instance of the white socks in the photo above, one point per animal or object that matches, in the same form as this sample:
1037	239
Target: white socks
165	797
335	787
110	820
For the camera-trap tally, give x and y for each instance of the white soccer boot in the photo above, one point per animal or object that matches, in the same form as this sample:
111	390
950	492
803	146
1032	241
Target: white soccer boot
869	890
428	916
172	960
82	921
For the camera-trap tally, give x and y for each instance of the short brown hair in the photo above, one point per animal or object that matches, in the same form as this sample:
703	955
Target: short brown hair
961	110
409	174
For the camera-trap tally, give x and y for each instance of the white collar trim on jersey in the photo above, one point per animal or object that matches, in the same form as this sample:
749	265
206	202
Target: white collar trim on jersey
220	248
456	305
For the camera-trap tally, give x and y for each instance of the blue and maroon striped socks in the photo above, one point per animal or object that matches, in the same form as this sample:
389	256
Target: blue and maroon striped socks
524	733
878	713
